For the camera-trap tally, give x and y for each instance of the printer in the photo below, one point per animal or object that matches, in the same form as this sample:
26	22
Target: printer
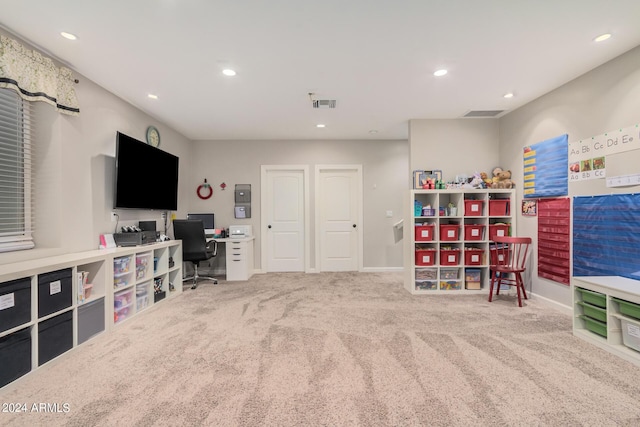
240	231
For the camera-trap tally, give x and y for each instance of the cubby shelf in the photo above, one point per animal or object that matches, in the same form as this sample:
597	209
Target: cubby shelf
618	301
48	308
447	236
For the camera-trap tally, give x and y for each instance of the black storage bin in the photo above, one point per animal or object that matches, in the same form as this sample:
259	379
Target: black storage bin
15	356
15	303
55	336
90	319
55	291
159	296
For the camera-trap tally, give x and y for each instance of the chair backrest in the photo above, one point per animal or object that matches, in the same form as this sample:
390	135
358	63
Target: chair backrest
510	252
194	242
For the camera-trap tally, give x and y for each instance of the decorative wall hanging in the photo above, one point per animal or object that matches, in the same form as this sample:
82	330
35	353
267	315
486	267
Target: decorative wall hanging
205	191
606	235
587	157
529	207
35	77
545	168
554	239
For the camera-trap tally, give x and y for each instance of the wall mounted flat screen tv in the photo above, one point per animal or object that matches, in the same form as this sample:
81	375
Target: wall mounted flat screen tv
145	177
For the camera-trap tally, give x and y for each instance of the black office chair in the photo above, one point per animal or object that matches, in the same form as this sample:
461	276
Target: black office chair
195	247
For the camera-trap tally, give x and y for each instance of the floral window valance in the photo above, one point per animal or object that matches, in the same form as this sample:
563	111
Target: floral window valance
35	77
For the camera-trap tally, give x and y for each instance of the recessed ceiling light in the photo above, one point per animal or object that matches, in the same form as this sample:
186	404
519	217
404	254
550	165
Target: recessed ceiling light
228	72
372	131
68	36
152	96
321	125
602	37
508	95
440	73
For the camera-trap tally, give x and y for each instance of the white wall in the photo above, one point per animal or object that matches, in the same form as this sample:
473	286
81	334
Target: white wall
605	99
456	146
385	174
74	174
74	170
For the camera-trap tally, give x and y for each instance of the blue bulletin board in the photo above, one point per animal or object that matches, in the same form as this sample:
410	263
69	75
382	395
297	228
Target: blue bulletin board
606	235
545	168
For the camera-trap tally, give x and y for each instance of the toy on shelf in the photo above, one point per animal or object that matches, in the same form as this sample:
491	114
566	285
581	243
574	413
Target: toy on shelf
429	184
487	181
477	181
502	178
494	175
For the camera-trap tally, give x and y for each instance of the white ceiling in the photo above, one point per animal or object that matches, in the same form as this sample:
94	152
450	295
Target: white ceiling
375	57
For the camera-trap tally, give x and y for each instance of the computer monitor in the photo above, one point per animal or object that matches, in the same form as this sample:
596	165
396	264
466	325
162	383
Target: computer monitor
207	220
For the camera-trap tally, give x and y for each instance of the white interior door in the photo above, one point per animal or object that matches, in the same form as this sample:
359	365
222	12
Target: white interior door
284	219
339	217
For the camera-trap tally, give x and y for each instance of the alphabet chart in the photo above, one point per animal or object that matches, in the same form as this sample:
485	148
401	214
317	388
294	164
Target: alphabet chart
587	157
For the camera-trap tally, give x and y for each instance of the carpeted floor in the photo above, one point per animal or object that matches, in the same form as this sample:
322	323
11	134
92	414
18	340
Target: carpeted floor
333	349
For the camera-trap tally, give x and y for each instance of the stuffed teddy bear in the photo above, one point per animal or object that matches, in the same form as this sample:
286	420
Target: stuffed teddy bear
504	180
494	177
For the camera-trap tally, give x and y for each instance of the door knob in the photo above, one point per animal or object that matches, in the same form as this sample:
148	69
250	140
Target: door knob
269	226
354	226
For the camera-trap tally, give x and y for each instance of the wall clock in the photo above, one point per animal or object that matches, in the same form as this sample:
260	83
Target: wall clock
153	136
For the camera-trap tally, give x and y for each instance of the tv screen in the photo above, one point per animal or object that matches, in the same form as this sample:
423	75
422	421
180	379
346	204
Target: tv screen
145	177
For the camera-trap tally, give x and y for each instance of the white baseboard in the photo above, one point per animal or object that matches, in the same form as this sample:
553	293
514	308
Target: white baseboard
381	269
364	270
553	304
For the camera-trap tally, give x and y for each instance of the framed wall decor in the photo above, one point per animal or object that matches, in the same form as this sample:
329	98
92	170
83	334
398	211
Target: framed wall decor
529	207
420	177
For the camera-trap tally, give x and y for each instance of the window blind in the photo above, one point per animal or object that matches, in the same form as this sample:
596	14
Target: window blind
16	183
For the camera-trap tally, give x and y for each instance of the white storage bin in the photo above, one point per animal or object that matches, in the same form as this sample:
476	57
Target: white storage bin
630	332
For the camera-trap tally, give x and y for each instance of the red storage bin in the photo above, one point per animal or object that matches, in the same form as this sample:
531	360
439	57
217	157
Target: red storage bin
498	230
424	233
497	256
449	231
499	207
473	231
473	207
473	256
449	256
425	256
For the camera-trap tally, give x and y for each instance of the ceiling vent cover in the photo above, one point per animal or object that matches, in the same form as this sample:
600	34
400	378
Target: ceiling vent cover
483	113
324	103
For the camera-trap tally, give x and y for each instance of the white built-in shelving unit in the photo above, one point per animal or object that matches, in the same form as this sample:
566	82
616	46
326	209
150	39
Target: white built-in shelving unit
606	313
49	306
447	236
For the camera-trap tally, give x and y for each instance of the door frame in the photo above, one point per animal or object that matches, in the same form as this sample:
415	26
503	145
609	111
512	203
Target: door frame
360	215
264	170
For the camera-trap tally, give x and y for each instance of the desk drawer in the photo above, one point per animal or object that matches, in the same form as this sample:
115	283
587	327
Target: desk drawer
238	261
237	251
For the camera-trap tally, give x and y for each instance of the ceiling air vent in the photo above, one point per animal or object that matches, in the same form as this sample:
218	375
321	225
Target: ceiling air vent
484	113
324	103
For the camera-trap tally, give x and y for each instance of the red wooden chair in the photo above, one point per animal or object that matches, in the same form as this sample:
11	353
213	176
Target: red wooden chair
508	262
